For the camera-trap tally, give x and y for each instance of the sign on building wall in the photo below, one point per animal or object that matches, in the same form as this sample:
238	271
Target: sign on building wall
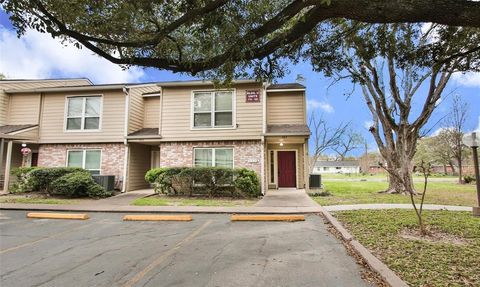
252	96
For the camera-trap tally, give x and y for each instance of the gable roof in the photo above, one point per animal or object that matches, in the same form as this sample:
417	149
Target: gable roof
286	86
15	128
287	129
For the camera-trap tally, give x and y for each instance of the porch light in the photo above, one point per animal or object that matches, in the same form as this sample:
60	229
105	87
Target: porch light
281	142
473	141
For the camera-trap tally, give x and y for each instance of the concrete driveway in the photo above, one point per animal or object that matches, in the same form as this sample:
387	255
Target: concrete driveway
209	251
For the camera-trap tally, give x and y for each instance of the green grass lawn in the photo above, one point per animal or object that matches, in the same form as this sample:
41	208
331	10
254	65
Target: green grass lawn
6	199
377	176
183	201
420	263
356	192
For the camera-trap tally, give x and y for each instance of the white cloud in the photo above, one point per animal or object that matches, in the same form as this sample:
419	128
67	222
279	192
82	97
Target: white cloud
324	106
471	79
38	55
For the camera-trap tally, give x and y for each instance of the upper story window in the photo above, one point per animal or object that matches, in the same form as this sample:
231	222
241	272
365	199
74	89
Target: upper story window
83	113
213	109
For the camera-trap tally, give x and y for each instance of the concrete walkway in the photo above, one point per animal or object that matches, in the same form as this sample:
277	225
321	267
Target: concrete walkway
395	206
288	197
124	198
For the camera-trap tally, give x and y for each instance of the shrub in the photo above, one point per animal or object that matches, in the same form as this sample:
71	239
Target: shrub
247	181
152	175
468	179
77	184
22	184
212	181
163	179
41	178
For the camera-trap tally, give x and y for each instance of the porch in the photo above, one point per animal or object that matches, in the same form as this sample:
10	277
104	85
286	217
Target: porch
12	139
286	163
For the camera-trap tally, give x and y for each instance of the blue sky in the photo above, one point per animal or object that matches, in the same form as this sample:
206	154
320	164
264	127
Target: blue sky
37	55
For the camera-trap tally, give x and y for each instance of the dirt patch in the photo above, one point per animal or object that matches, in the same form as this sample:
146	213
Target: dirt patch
432	236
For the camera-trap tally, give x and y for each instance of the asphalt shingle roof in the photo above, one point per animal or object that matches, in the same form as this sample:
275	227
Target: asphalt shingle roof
14	128
288	129
285	86
145	132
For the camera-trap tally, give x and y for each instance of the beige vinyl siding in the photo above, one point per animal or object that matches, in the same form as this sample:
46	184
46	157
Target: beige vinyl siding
152	112
111	125
137	107
176	116
138	164
286	108
3	108
23	109
136	110
29	84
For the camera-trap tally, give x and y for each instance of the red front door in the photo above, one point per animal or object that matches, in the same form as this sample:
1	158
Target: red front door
286	169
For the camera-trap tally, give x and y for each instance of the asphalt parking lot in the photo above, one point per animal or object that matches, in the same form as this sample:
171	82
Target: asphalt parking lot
208	251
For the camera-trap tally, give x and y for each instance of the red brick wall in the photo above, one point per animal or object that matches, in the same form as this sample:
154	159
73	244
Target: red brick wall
55	155
246	153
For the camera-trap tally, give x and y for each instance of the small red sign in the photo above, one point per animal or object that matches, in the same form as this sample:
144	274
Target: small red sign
252	96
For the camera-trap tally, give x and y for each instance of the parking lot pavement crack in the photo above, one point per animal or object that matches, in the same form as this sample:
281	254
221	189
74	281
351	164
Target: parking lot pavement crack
159	260
75	267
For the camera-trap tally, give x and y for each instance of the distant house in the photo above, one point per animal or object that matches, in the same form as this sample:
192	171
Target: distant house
327	166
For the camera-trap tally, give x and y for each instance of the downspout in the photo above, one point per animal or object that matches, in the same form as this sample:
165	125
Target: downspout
126	91
2	146
264	129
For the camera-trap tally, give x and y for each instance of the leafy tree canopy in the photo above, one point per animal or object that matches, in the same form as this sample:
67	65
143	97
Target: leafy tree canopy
229	38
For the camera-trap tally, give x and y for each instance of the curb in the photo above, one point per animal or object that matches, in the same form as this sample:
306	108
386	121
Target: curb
270	217
153	217
373	262
196	210
50	215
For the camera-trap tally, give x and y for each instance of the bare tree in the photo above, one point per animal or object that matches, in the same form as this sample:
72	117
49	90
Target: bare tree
454	125
426	170
350	141
391	65
435	149
324	136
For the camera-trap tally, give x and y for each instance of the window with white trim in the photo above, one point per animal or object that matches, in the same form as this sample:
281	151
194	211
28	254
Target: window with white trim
213	109
272	166
89	159
83	113
221	157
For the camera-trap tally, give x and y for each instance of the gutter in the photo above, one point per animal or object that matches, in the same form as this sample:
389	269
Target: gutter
67	89
285	134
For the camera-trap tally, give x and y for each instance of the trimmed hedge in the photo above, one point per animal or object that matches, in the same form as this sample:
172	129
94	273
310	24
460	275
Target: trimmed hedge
78	184
211	181
64	181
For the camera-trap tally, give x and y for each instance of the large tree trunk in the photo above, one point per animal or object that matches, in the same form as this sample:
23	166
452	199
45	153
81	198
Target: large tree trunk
460	179
400	176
